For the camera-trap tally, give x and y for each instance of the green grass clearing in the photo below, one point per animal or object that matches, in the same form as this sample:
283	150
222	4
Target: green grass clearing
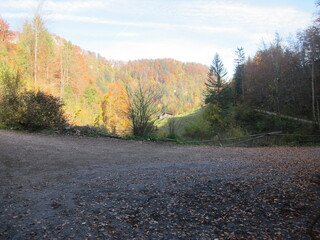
181	121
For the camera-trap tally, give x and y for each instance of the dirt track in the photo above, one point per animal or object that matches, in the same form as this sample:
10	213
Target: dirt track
63	187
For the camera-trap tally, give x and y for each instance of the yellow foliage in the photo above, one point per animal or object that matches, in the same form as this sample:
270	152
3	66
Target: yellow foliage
115	105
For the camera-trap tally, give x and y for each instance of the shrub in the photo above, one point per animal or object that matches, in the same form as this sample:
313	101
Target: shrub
142	106
214	116
10	87
28	110
198	130
41	111
10	110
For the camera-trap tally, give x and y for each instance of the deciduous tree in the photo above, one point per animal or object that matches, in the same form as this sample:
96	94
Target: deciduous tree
115	108
142	107
6	35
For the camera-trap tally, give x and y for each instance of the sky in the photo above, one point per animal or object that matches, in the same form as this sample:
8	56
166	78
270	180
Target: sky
185	30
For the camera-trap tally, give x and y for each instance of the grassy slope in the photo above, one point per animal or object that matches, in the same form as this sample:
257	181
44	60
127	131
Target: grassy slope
181	121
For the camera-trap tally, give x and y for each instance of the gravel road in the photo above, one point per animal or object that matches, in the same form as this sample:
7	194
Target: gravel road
66	187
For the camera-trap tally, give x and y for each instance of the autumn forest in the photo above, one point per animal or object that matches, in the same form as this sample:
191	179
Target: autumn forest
156	147
91	86
282	78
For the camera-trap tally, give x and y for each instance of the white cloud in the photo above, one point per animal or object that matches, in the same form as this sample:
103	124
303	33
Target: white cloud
220	16
15	15
241	15
73	6
54	6
127	34
18	4
76	18
211	29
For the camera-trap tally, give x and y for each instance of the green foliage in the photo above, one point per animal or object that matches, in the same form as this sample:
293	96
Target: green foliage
219	96
172	136
274	123
3	51
10	87
229	122
202	126
141	108
3	126
173	126
238	78
10	80
253	122
215	82
90	95
211	96
213	115
25	50
181	121
245	117
235	131
226	98
198	130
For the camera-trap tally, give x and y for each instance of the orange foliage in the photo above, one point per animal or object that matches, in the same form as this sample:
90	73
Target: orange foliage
82	78
7	48
6	35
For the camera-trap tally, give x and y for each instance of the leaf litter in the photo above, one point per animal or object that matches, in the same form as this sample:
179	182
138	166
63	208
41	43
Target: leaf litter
201	193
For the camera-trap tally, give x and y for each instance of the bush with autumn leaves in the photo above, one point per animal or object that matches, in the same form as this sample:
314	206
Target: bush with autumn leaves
31	110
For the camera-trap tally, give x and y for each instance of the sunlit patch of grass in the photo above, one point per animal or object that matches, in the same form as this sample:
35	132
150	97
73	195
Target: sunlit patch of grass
181	121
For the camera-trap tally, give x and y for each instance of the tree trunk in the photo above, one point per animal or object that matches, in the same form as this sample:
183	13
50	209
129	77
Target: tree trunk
35	54
318	111
61	75
242	85
48	79
313	93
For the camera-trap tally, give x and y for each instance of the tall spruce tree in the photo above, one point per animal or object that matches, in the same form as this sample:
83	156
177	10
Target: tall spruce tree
239	75
215	82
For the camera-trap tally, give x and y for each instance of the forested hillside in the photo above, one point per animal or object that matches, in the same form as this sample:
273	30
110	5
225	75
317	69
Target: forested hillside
284	79
91	86
275	90
281	79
